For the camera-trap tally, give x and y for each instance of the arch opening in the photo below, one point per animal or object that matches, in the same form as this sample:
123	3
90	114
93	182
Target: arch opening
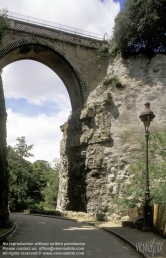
50	55
36	97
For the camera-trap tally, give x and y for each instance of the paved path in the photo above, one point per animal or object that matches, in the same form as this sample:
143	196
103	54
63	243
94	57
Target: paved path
156	244
46	233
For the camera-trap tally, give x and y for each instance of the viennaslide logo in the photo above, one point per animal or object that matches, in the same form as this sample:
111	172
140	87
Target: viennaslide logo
150	247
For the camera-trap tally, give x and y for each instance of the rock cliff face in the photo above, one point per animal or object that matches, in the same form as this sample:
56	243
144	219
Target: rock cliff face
3	161
101	141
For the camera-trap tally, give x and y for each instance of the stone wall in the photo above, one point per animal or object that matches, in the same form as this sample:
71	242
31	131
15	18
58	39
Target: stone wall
80	68
101	141
4	216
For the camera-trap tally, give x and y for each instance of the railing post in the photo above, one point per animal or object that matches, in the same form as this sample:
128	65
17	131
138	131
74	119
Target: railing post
12	23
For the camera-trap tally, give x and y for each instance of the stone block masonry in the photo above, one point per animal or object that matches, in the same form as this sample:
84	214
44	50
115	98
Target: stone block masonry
77	61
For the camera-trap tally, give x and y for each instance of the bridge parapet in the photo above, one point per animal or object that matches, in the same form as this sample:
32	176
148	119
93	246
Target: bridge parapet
55	31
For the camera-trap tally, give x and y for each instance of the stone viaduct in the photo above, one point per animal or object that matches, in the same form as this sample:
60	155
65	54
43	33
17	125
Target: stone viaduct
75	57
101	137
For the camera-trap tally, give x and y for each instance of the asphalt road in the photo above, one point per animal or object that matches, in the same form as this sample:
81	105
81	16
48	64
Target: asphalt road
37	236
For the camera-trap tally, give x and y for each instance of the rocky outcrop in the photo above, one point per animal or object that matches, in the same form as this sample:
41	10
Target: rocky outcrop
101	141
4	216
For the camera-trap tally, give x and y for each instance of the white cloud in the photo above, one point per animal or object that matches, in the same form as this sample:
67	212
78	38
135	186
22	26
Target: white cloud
91	15
37	83
41	130
33	81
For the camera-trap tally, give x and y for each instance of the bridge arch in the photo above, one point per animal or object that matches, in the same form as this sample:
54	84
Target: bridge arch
52	56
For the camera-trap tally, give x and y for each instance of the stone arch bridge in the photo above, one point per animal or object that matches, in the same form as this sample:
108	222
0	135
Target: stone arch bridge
75	57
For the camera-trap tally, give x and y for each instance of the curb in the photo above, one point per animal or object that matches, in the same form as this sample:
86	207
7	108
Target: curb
87	222
96	226
4	236
127	241
121	237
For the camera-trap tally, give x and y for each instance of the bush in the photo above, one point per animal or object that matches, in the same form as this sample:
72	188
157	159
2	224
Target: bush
132	193
113	79
104	48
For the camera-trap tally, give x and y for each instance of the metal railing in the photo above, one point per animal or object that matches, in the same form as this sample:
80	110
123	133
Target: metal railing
56	26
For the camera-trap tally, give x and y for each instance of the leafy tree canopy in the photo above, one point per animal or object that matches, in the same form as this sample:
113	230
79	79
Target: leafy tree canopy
141	28
47	182
33	186
50	192
22	149
20	179
41	170
3	23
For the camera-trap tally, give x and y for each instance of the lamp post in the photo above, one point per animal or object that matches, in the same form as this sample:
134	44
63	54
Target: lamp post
146	117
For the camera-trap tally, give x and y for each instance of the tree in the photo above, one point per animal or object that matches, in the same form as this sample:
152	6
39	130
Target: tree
22	149
132	192
46	182
34	185
50	192
3	23
31	185
56	164
21	177
41	170
20	180
140	28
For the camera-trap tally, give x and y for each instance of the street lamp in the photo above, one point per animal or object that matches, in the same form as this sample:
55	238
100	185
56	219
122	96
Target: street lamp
146	117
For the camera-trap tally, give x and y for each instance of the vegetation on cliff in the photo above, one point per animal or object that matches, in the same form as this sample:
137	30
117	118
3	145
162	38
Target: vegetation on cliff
140	28
132	192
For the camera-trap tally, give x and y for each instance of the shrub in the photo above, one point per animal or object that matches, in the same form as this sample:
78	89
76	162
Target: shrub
104	48
113	79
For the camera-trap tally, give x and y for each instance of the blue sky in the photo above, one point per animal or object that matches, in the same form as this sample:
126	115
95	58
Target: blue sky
37	101
121	3
31	109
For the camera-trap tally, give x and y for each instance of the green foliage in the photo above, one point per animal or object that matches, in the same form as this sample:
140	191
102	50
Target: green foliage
20	179
132	193
157	145
50	192
56	164
104	48
22	149
115	49
31	186
113	79
41	170
140	28
45	185
3	23
37	203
